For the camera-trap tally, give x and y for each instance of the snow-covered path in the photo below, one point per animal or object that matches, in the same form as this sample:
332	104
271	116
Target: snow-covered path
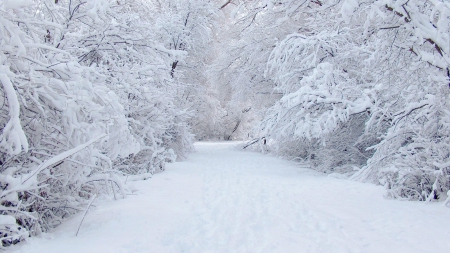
224	200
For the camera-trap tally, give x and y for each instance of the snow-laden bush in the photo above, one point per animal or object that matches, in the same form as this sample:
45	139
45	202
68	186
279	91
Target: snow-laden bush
369	81
138	70
86	97
62	129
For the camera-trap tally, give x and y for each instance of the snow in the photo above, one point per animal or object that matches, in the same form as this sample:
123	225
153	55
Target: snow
12	4
12	136
225	200
62	156
7	219
348	8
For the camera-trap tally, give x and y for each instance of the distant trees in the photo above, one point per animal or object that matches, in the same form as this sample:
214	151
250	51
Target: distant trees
247	33
188	27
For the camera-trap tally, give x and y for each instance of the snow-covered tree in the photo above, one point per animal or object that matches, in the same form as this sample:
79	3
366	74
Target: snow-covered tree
247	34
86	97
187	26
383	64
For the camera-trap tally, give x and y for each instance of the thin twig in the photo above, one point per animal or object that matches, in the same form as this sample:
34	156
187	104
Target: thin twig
85	212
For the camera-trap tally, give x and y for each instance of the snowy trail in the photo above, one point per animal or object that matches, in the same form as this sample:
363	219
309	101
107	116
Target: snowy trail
224	200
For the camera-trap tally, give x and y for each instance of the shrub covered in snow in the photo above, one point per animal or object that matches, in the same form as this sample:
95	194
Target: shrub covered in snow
87	96
366	83
365	86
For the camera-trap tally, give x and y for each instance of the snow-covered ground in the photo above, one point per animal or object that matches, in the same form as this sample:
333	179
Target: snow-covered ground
225	200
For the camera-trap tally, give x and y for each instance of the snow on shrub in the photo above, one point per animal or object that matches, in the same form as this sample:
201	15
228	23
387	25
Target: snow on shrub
367	84
80	106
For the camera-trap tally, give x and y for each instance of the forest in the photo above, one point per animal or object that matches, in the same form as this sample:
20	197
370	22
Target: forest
95	93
